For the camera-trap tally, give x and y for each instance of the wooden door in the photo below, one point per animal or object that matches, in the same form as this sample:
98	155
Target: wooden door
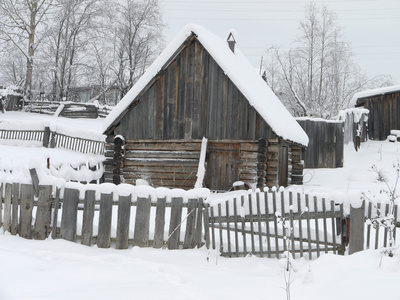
222	168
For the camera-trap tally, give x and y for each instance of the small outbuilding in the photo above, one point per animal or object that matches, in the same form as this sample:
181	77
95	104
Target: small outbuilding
384	110
202	86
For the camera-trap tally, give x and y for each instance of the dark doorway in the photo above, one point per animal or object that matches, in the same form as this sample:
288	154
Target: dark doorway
283	166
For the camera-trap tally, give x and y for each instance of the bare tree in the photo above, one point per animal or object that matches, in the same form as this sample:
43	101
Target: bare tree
19	22
318	76
138	32
67	44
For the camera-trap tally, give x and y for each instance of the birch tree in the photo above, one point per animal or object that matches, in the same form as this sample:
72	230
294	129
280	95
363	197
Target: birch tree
317	76
19	23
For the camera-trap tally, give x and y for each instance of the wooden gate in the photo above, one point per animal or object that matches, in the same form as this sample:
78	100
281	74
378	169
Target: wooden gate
270	223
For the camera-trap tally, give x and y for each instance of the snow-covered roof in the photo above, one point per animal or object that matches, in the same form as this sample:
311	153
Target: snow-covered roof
237	68
374	92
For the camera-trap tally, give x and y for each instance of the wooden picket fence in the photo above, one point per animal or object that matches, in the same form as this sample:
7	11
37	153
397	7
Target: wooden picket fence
121	223
269	224
25	135
51	139
265	224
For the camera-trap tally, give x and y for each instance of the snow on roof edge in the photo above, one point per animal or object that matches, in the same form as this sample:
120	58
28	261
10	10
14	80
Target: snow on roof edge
238	69
373	92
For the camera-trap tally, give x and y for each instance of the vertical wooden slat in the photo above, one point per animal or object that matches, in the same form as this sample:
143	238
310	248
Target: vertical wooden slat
212	227
88	216
55	214
253	246
228	231
243	226
385	234
369	213
316	225
14	207
325	224
199	221
275	224
377	230
260	237
105	215
26	211
43	213
124	214
342	221
236	226
206	222
159	223
333	226
7	207
221	241
69	214
174	224
283	225
308	227
142	222
188	241
291	220
299	209
267	225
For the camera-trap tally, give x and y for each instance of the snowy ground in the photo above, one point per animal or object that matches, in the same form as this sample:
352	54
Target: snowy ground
57	269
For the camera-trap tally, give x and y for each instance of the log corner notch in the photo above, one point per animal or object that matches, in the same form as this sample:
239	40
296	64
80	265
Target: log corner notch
118	158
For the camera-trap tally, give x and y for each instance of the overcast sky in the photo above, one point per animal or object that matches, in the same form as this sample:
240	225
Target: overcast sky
371	26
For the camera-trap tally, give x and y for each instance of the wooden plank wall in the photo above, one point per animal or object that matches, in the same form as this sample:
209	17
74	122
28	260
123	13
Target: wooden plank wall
384	114
191	99
326	142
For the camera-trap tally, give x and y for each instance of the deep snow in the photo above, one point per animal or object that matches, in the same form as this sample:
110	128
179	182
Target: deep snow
57	269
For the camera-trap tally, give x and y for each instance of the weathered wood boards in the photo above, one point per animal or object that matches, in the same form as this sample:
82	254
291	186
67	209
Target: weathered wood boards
326	142
271	224
384	114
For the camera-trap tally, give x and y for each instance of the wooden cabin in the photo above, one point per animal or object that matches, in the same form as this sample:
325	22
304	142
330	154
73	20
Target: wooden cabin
202	86
384	110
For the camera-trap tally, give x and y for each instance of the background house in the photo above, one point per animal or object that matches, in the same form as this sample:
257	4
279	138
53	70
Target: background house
202	86
384	110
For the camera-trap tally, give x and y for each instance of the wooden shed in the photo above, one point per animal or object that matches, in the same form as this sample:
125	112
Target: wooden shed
202	86
384	110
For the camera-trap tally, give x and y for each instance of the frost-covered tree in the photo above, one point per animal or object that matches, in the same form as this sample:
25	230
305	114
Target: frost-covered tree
20	23
317	76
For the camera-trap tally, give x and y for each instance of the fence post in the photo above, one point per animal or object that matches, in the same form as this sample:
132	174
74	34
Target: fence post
46	137
357	219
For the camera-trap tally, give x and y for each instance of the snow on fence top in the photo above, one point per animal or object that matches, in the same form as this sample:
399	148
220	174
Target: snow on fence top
238	69
374	92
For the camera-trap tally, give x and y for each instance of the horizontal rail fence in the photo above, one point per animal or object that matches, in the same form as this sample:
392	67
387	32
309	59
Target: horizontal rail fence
26	135
326	143
269	224
127	221
52	139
